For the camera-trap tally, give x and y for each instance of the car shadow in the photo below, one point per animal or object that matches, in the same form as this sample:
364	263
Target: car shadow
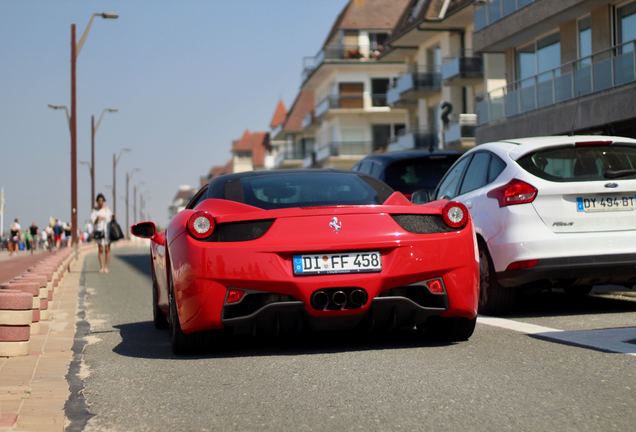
557	303
140	262
142	340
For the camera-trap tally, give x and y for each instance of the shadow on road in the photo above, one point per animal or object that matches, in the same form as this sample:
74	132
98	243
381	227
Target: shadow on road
142	340
140	262
556	303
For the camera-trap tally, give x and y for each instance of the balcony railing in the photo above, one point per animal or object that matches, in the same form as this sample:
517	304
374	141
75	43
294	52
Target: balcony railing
341	53
414	139
462	127
355	101
421	80
350	148
604	70
494	10
465	65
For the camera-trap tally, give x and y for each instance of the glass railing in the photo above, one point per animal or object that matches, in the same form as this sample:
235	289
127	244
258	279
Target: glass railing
465	64
350	148
355	101
494	10
604	70
352	53
421	79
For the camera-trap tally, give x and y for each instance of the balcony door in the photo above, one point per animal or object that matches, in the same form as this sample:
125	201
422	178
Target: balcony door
351	95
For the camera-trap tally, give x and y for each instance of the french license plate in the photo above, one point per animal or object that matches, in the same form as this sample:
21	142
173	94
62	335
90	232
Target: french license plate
337	263
606	203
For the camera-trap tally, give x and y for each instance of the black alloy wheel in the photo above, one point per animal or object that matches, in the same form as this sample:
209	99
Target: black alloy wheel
493	298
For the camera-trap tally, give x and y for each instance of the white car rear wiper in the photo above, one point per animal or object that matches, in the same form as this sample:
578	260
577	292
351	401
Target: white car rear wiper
610	174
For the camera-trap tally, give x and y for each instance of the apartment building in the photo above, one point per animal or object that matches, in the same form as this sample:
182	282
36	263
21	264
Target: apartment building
276	135
215	171
251	152
180	200
297	133
433	38
569	66
349	80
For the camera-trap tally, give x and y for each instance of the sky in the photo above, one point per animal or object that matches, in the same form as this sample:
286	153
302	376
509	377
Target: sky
187	76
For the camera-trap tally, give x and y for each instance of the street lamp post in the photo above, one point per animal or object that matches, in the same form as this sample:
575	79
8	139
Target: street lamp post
128	177
135	215
76	47
94	128
90	173
116	158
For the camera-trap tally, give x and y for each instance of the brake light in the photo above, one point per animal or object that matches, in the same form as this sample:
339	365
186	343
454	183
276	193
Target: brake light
592	143
522	265
234	296
201	225
455	214
515	192
435	286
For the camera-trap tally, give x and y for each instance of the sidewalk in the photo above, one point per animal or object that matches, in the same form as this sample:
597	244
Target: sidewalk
33	388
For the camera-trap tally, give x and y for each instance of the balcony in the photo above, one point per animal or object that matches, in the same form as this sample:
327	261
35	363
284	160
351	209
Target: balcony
340	54
347	102
495	10
463	70
600	72
461	131
415	139
414	85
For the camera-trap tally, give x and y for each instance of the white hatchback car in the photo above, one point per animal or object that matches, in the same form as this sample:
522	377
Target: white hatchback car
549	211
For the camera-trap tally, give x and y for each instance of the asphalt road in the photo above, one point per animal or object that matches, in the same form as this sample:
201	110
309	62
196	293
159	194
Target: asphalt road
545	368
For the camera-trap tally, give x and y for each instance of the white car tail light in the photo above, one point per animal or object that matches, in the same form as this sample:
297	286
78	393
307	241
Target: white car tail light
201	225
455	215
515	192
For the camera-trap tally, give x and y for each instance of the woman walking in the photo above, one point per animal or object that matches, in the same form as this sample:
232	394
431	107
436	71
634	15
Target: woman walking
100	217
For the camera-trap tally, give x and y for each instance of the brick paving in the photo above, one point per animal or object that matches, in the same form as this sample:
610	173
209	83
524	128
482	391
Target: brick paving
33	388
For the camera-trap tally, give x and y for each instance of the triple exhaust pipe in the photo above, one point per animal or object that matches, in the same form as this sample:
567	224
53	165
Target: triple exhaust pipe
338	299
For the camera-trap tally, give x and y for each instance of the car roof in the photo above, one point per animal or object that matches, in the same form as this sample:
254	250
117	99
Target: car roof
410	154
519	147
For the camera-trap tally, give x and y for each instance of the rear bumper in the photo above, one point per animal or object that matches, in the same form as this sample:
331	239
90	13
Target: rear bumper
595	269
290	317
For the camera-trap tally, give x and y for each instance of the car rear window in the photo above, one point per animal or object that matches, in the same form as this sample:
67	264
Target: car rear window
587	163
411	175
306	189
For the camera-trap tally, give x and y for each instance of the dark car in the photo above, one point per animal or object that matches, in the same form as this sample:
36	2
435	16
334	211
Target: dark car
410	172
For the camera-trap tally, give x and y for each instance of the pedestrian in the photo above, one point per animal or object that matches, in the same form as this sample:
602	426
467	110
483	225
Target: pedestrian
58	230
100	217
14	237
34	231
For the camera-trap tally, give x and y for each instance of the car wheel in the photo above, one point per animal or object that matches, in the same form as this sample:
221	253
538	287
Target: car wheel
451	329
493	298
158	317
180	342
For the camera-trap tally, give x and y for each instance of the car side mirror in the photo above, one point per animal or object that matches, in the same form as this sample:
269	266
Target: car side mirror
421	196
144	230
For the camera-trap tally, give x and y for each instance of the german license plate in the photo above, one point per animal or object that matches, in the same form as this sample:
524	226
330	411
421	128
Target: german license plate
605	203
337	263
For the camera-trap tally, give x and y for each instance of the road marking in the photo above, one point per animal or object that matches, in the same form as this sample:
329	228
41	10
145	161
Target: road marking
611	340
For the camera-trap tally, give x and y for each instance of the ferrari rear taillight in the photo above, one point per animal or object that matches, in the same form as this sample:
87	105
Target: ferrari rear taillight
201	225
234	296
514	192
455	215
435	286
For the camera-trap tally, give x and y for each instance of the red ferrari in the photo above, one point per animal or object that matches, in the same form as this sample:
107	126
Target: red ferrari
280	251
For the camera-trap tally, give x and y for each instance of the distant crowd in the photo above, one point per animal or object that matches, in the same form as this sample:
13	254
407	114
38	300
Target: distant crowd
55	235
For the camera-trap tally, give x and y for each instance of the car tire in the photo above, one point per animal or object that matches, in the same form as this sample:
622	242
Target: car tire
180	342
493	298
450	329
158	317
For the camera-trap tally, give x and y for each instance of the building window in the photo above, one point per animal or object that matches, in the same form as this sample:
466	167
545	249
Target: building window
379	88
585	40
626	26
542	56
434	58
